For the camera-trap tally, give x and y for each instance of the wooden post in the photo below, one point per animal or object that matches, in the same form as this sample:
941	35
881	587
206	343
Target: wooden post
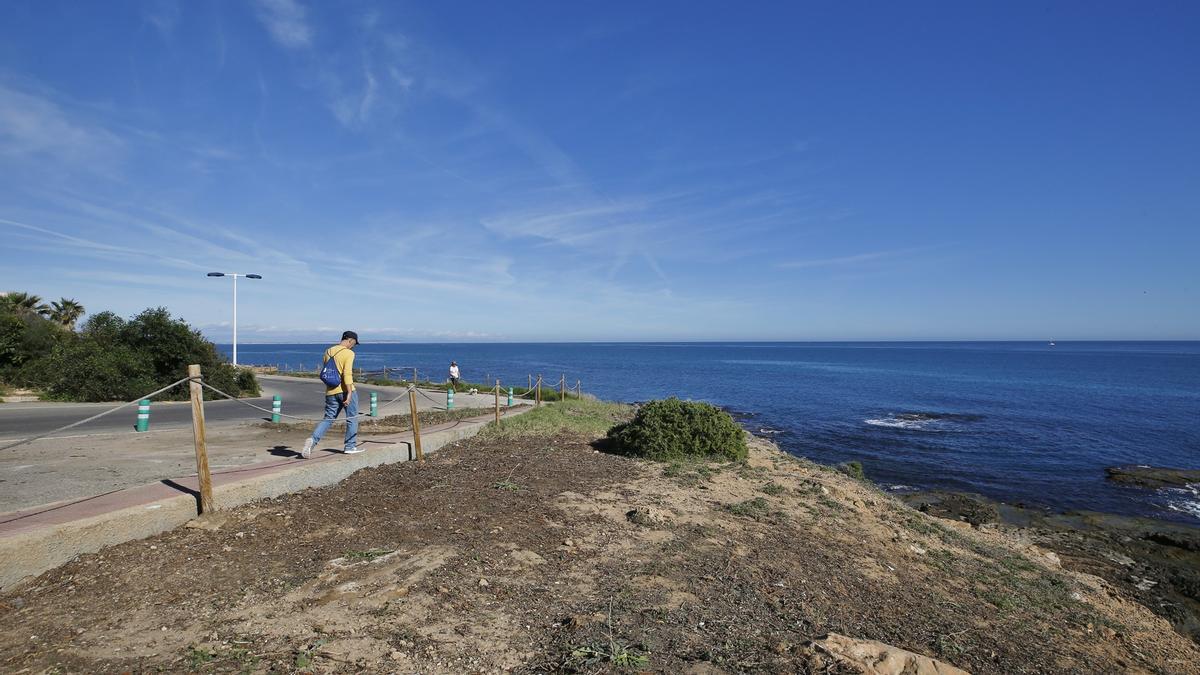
202	474
497	402
416	425
531	381
562	387
537	397
414	376
578	389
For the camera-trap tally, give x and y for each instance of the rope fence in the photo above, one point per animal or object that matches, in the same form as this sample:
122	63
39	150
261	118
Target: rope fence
197	385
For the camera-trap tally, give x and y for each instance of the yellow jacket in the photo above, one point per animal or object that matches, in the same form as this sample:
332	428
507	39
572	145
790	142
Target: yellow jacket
344	358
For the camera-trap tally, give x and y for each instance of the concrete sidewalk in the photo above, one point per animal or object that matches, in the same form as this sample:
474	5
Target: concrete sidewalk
38	539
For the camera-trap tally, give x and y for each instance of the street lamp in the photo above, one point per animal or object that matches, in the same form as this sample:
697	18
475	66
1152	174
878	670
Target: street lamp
235	278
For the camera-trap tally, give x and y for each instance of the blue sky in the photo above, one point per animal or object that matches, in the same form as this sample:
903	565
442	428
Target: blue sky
609	171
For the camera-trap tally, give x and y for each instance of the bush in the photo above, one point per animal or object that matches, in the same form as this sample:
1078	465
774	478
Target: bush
672	429
112	359
24	339
853	469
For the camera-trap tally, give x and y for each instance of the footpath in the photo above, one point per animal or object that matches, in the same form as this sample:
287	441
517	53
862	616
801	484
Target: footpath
37	539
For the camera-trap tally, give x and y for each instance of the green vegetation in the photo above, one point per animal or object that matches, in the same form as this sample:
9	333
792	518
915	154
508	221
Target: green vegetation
756	508
197	657
577	416
692	471
853	469
671	429
613	654
774	489
508	485
109	358
369	554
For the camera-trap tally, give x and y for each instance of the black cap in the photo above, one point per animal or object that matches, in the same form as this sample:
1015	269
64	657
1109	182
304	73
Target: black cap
351	335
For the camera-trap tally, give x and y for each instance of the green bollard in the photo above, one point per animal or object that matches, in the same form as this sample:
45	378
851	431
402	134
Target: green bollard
374	404
276	407
143	418
449	399
510	397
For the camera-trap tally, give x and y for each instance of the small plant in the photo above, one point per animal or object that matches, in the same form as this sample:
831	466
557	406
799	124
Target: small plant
949	647
672	470
1003	601
614	654
774	489
198	656
853	469
672	429
369	554
304	658
508	485
756	508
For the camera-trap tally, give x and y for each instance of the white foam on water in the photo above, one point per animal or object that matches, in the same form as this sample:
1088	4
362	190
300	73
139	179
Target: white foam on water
893	423
1184	499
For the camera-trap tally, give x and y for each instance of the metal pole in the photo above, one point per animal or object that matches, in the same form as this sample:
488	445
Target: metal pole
235	319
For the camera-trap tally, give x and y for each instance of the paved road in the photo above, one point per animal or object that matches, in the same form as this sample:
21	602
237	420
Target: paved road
302	397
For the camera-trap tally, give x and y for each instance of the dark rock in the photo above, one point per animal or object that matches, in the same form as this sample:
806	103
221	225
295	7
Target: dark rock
1187	541
973	509
1152	476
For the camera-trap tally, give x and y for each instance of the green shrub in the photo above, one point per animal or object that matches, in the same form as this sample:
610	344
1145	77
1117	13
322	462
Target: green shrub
853	469
112	359
671	429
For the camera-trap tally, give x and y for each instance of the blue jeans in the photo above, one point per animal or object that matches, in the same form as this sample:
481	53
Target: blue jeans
333	404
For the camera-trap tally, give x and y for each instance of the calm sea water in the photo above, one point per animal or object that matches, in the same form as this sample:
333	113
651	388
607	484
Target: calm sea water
1017	421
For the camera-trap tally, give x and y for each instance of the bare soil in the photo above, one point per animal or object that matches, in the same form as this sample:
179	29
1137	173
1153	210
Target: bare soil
540	554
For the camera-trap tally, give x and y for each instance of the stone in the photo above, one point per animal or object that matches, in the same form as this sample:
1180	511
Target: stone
838	652
1153	477
647	517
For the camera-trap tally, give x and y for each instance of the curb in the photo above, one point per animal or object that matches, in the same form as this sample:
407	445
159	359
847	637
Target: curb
51	536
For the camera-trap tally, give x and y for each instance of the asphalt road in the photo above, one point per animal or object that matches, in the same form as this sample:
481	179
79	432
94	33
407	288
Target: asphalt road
301	397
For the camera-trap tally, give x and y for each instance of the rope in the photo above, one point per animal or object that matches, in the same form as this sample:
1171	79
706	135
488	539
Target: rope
95	417
294	417
431	399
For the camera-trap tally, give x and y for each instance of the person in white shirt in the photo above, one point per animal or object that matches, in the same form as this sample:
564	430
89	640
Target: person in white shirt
454	373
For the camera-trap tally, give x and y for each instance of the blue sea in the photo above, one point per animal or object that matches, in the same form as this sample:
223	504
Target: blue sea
1022	422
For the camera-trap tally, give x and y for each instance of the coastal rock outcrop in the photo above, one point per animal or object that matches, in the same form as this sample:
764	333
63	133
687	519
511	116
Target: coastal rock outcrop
1152	476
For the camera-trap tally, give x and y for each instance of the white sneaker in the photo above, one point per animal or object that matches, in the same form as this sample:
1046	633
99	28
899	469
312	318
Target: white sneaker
355	450
308	446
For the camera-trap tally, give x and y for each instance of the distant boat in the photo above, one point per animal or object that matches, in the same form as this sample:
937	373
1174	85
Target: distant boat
1052	343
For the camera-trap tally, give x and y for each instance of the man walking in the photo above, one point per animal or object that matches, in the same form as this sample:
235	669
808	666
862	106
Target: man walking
339	396
454	373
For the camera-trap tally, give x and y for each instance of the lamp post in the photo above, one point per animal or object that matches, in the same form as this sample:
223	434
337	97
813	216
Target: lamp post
235	278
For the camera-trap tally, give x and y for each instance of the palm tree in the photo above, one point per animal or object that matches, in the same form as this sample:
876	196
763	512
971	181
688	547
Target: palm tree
65	312
25	304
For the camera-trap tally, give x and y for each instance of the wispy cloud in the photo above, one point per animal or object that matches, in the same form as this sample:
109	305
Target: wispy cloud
847	260
48	240
164	15
32	125
287	22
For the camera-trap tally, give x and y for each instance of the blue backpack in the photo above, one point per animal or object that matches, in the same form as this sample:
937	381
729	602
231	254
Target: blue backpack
329	372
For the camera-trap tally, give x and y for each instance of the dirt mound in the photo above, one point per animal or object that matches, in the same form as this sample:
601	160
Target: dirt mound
538	554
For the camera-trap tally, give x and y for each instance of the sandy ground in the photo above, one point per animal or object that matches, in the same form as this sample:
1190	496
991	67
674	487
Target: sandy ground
540	554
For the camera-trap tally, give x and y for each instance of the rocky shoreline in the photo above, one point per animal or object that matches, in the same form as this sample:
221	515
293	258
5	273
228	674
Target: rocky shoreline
1154	562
